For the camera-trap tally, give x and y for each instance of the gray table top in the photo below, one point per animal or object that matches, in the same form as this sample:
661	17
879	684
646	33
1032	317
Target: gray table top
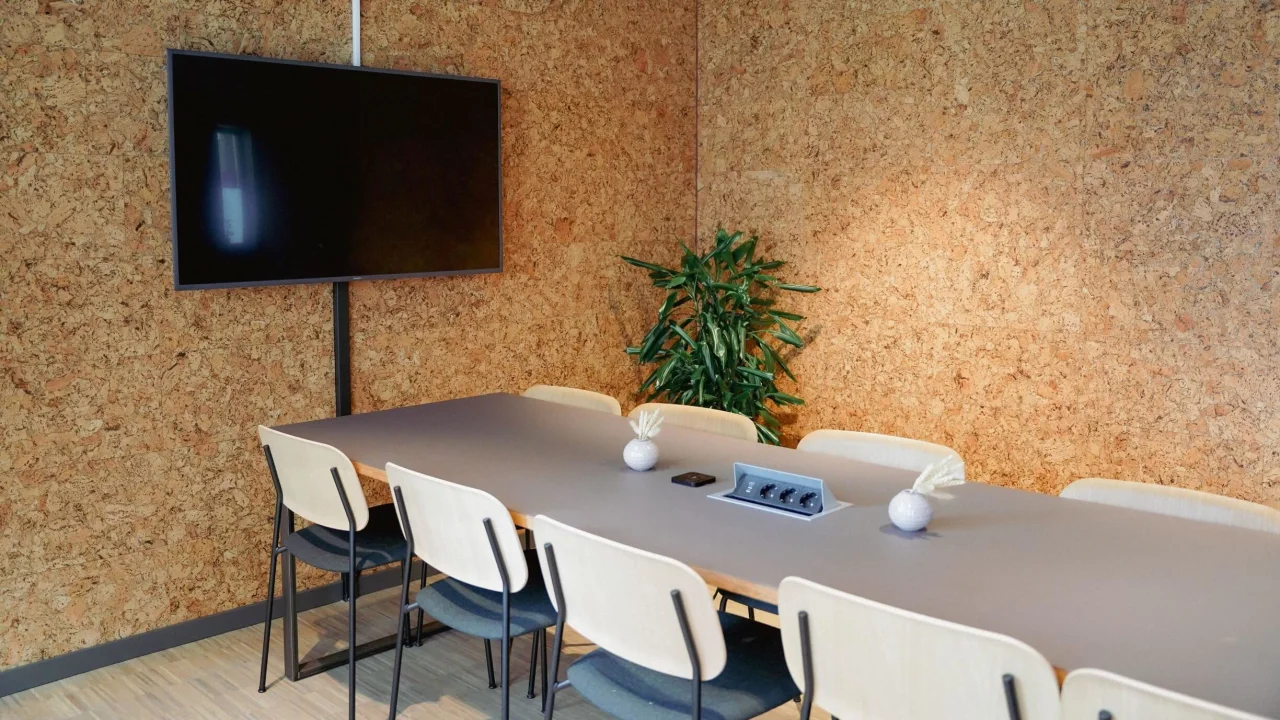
1187	606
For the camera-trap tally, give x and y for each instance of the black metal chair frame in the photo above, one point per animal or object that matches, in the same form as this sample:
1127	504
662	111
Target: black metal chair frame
724	604
549	699
806	658
406	608
293	670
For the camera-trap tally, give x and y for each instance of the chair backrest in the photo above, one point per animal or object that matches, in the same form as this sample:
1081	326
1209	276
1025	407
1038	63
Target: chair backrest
620	598
575	397
1087	693
447	524
1175	501
305	471
887	450
706	419
871	660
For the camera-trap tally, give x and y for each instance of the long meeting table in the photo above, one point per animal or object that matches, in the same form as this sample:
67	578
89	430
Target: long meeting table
1187	606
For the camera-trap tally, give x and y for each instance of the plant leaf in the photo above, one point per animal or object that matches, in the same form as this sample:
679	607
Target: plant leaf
766	434
651	267
755	373
787	335
684	336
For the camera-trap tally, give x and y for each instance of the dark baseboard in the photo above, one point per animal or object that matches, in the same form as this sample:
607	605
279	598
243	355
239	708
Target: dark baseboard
76	662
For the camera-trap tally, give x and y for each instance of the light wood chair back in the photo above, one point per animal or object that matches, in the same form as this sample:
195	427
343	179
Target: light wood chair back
1089	694
1176	502
620	598
305	471
877	449
706	419
447	524
871	660
585	399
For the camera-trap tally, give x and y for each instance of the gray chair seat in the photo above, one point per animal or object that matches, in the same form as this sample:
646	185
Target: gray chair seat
478	612
749	601
754	681
378	544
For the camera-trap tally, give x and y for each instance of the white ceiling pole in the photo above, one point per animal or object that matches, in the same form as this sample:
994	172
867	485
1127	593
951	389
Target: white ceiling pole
355	32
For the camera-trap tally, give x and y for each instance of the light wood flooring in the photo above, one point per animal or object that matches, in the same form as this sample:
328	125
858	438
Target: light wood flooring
218	678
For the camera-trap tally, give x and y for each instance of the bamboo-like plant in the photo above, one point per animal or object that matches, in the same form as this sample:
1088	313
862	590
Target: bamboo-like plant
713	339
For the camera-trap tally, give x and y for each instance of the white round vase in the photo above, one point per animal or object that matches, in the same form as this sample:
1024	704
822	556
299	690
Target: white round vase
640	454
910	511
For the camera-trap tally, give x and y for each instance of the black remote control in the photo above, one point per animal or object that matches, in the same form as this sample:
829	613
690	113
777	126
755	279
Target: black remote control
693	479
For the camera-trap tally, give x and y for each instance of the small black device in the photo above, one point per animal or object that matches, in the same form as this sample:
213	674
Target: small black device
693	479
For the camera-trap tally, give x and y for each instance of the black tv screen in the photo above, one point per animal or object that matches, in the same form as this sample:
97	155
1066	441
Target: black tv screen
289	172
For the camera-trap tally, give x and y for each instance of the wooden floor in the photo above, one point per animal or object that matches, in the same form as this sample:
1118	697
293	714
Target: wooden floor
218	678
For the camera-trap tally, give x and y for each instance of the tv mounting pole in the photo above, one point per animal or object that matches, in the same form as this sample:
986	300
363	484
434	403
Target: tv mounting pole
341	293
341	350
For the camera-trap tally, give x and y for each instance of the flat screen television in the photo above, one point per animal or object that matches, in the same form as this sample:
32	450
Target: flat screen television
291	172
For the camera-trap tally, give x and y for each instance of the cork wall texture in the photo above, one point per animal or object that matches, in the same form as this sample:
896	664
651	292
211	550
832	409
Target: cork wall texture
132	491
1046	230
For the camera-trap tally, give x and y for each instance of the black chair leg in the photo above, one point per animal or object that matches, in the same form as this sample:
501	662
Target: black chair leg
751	613
395	672
533	663
401	633
488	663
422	582
724	603
544	668
549	695
506	670
271	595
351	633
346	587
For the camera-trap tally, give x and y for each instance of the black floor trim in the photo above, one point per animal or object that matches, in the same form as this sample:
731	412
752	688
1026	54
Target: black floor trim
42	672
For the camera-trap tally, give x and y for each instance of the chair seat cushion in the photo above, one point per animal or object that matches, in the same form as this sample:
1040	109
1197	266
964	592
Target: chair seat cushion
754	681
380	543
478	612
749	601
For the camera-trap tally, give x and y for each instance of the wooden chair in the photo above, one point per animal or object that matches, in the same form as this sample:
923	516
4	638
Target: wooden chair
861	659
319	483
1099	695
573	396
1175	502
706	419
494	589
887	450
664	651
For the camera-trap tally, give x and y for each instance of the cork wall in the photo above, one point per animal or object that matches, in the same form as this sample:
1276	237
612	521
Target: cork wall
132	491
1047	230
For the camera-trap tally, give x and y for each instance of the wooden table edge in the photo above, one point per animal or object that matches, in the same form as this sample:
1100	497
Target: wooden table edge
715	579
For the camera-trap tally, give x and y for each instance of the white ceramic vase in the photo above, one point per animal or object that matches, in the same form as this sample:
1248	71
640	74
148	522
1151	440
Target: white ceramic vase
640	454
910	511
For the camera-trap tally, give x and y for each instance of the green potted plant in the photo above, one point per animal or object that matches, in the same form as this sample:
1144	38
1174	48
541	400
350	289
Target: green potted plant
719	333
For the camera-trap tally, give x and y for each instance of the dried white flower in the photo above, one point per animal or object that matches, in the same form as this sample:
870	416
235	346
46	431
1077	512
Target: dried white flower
649	426
947	472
